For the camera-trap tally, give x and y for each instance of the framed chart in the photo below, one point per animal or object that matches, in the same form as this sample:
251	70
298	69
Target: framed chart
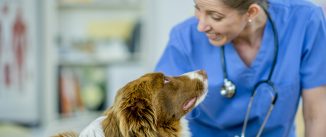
19	61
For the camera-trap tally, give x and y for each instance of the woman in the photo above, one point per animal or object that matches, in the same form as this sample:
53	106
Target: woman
243	32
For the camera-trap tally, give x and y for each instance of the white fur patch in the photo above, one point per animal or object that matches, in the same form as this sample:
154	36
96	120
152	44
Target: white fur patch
201	98
185	132
94	129
195	75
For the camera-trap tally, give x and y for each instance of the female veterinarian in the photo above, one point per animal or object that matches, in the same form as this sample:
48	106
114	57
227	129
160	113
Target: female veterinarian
261	57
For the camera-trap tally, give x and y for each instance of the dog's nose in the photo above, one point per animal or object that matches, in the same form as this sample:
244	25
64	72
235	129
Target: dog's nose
203	73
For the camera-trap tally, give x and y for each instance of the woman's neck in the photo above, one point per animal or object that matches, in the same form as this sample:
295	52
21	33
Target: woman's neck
247	44
253	32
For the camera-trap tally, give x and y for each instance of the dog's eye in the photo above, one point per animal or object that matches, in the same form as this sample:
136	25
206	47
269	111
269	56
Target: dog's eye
166	80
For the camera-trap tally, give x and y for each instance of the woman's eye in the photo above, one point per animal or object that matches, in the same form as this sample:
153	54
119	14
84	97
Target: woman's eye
216	18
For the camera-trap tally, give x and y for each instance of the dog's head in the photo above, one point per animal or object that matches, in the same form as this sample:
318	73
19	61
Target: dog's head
155	100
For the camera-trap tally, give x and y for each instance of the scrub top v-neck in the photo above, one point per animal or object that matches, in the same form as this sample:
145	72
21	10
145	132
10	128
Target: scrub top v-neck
262	61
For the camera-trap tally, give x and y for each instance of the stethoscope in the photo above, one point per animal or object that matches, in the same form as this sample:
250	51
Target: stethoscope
229	89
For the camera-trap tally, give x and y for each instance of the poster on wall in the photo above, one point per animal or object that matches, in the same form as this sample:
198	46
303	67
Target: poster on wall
18	61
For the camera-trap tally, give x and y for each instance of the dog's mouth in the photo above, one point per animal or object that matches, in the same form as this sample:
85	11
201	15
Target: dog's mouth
189	103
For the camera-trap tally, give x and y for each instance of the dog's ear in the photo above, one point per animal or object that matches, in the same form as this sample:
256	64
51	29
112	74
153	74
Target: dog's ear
136	112
137	119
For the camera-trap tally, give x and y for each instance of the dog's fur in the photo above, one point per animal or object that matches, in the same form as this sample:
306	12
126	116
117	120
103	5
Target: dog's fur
154	105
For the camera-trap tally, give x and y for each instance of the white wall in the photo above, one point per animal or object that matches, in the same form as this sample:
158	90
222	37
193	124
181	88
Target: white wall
160	17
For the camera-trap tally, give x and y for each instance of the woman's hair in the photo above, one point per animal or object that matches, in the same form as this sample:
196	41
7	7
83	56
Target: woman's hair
243	5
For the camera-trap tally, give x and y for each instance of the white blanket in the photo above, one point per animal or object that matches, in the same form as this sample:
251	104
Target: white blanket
94	129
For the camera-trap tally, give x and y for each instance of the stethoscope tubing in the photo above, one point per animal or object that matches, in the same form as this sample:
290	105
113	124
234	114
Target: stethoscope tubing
270	108
276	44
267	81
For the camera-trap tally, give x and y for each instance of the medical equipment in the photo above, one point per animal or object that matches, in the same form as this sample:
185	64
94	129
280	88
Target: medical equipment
229	89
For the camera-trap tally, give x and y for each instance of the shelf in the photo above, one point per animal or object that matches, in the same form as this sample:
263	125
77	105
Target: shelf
91	62
82	66
101	5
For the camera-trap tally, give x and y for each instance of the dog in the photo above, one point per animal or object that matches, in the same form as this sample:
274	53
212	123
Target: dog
153	105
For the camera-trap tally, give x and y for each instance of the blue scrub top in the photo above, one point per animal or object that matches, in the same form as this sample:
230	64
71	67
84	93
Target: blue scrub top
301	65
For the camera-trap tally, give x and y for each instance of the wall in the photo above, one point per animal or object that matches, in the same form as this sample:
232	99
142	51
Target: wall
161	16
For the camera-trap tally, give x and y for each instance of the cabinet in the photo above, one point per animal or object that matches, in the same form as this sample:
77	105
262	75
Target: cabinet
86	38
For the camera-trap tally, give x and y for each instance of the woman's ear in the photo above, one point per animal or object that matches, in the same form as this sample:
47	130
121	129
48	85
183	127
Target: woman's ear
253	11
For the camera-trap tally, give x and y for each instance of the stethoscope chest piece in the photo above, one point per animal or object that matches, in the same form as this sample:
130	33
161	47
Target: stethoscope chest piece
228	89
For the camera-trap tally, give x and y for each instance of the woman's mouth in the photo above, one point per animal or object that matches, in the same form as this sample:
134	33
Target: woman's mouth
215	37
212	36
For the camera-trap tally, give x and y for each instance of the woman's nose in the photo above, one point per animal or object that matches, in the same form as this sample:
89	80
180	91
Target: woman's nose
202	25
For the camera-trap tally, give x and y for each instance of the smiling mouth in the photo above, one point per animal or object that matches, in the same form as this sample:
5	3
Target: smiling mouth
211	36
214	36
219	37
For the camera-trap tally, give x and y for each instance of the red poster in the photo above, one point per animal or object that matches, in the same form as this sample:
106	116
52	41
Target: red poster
19	43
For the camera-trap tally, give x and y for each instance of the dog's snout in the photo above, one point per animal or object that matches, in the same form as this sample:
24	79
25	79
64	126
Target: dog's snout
203	73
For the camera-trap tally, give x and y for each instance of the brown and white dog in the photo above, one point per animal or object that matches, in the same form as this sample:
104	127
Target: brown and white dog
153	105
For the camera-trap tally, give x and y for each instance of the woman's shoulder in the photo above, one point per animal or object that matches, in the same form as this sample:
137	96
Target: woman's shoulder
286	12
186	36
189	24
186	31
293	4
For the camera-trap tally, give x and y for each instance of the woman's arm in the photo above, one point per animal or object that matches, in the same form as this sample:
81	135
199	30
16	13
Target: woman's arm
314	111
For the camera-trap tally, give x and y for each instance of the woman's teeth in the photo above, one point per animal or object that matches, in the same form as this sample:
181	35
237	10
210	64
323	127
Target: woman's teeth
219	37
214	36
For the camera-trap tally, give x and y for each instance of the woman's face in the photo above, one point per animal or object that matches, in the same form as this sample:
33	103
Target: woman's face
220	23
